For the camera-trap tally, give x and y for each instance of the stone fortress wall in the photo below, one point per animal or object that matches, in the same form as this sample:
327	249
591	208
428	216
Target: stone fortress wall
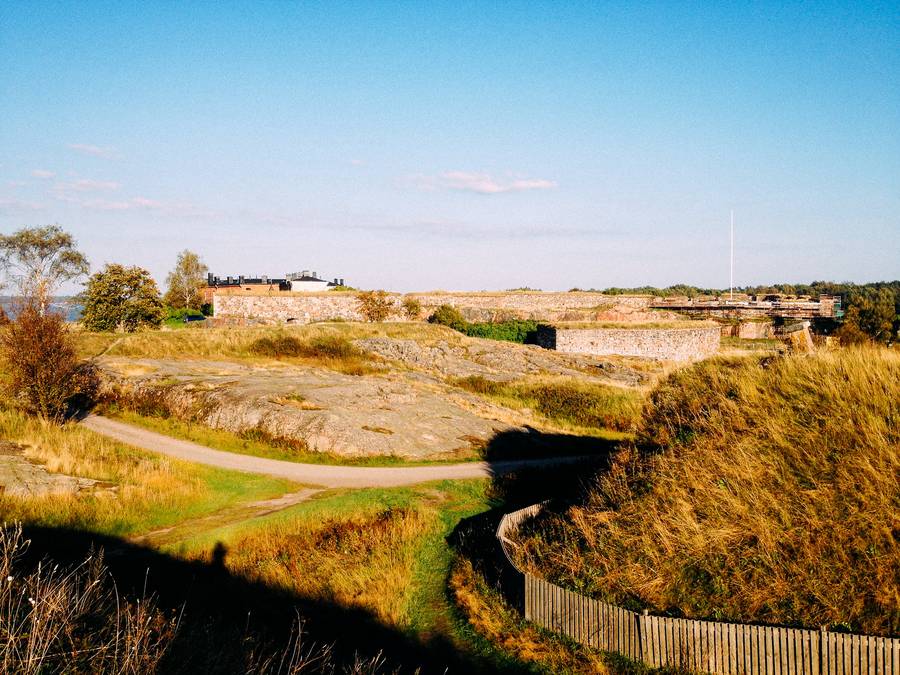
279	307
667	344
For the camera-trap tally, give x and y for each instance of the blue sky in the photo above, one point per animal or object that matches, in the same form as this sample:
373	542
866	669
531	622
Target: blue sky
460	145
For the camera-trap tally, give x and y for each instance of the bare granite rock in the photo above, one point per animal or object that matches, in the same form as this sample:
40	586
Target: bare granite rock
20	476
500	361
352	416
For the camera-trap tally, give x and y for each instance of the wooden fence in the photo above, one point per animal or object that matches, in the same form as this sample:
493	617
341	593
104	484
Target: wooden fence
699	646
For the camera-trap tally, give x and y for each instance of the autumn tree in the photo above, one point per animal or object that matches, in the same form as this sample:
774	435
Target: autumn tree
186	281
412	308
38	260
374	305
43	372
121	298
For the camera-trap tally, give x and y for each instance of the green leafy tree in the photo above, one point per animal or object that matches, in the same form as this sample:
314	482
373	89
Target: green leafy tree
121	298
185	282
40	259
872	312
374	305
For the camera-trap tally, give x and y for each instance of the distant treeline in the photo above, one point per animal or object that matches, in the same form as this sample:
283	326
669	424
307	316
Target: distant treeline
872	311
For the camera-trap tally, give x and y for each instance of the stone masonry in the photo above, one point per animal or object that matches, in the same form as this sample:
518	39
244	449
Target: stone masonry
279	307
667	344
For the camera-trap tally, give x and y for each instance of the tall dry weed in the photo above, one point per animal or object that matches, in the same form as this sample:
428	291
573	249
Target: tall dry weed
763	490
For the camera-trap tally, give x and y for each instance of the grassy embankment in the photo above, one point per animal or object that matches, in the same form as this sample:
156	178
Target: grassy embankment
569	404
235	344
760	490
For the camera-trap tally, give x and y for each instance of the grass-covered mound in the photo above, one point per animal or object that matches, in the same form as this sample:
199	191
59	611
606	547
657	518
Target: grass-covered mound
760	490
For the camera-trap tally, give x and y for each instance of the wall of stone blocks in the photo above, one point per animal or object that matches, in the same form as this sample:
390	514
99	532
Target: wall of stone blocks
668	344
307	307
288	308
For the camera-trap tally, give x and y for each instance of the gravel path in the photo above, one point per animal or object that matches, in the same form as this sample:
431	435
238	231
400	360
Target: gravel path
310	474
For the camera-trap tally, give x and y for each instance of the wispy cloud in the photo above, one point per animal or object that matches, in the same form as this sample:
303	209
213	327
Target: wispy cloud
43	173
358	162
17	206
93	150
137	204
480	182
88	185
452	229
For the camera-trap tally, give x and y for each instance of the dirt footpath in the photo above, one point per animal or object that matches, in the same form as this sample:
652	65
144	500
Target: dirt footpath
308	474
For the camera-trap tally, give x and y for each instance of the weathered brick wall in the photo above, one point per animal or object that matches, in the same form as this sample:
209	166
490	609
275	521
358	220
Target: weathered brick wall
669	344
307	307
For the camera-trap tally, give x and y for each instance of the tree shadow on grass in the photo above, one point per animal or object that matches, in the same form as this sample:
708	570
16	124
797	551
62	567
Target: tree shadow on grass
219	611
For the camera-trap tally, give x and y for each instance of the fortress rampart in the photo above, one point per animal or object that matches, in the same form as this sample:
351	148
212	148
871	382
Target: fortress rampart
278	307
668	344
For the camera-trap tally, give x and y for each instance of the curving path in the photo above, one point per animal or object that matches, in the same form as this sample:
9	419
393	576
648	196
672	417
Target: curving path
332	476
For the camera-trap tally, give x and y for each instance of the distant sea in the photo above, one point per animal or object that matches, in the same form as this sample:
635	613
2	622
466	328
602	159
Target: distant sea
68	307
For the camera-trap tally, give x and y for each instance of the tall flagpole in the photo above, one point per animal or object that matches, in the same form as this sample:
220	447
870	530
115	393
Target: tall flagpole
731	278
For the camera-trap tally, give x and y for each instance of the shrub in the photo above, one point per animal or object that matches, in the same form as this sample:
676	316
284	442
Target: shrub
511	331
448	315
43	372
412	308
374	305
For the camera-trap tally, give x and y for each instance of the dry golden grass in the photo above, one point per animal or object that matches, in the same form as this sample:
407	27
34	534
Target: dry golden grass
491	617
565	401
235	343
364	560
143	491
764	490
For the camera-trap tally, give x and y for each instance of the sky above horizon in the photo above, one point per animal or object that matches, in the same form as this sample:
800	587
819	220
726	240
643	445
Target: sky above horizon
463	146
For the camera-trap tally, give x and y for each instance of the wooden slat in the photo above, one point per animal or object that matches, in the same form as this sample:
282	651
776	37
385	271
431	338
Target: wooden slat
720	647
848	659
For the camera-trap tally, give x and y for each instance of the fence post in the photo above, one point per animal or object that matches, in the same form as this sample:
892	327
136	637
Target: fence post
823	651
643	634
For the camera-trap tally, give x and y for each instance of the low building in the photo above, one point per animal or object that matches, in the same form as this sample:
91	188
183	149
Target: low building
295	282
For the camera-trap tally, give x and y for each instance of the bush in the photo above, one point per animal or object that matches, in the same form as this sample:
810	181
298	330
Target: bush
43	372
448	315
515	330
178	317
375	305
523	332
412	308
